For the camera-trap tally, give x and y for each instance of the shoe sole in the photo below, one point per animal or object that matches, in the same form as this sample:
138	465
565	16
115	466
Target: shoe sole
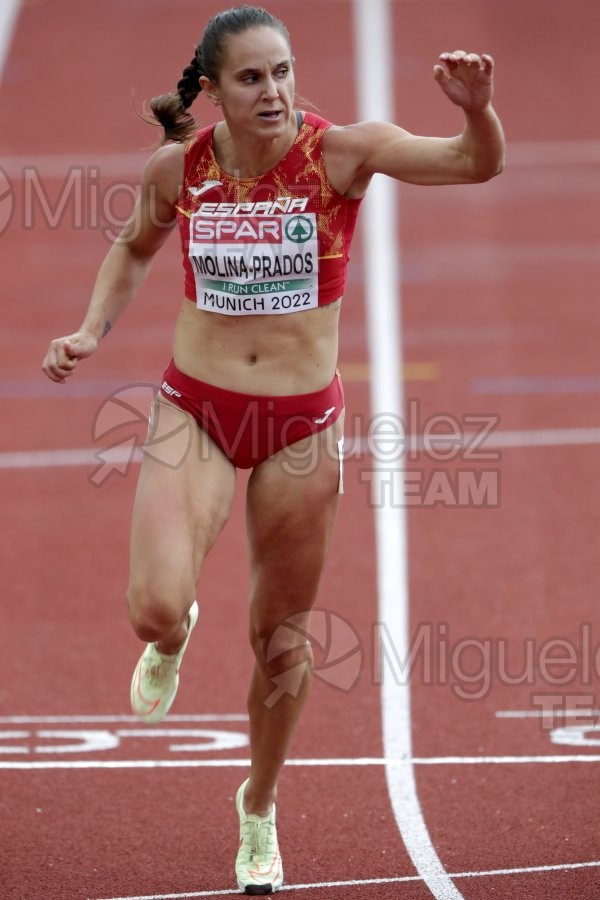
258	890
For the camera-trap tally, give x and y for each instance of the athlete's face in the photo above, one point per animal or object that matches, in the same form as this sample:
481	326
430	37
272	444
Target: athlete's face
256	82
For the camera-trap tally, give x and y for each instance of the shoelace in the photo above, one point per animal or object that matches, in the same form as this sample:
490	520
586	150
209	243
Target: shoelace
161	669
256	838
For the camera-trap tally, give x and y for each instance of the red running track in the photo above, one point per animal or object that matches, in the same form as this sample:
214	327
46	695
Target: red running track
499	324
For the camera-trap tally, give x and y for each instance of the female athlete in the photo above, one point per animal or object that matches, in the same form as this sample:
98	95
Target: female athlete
265	202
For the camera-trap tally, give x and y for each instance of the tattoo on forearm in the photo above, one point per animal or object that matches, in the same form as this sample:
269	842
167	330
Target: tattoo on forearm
106	329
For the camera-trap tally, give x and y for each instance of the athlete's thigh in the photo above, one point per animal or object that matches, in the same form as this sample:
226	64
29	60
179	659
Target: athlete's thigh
183	499
291	508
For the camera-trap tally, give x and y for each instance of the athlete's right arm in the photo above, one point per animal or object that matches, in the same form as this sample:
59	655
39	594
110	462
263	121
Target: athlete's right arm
127	263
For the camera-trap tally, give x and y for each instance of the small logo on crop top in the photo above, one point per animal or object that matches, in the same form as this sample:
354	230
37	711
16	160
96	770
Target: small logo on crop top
206	186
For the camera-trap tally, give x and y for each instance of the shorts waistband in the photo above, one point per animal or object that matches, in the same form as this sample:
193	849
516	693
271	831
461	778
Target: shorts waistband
293	403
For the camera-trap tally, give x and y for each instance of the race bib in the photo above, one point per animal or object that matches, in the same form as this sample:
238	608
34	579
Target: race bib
255	265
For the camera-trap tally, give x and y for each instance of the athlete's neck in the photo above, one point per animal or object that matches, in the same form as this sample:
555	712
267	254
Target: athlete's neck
245	156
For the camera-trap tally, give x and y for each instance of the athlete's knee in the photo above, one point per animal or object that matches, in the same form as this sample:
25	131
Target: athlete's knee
281	648
154	615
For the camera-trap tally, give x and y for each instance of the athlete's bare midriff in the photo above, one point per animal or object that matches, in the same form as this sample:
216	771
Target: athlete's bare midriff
278	355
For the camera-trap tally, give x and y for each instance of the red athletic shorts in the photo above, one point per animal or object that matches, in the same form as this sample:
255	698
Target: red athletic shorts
249	428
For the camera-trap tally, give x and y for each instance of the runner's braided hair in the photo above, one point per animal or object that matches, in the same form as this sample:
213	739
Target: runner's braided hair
171	110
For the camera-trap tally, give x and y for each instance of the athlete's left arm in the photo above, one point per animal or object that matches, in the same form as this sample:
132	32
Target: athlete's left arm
475	155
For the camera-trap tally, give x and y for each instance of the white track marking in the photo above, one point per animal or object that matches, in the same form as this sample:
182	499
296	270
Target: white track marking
50	459
9	11
365	882
496	440
547	713
373	31
83	720
391	765
541	437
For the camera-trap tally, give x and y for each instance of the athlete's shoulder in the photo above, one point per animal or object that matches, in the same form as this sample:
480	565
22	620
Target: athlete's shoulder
315	121
360	137
165	159
163	172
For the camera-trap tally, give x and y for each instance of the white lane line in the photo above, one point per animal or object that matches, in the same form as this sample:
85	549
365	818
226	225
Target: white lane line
473	441
365	882
79	720
9	11
49	459
357	447
391	765
549	713
373	39
503	760
541	437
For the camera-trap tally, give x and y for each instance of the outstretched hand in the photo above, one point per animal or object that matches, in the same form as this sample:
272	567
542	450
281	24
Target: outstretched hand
64	354
466	78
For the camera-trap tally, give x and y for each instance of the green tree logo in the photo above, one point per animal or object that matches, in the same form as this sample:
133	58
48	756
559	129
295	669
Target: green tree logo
299	229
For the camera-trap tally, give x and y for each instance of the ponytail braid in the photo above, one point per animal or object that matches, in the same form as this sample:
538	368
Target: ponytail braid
188	86
171	109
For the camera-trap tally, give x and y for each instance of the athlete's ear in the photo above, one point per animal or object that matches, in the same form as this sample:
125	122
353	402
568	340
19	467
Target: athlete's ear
210	89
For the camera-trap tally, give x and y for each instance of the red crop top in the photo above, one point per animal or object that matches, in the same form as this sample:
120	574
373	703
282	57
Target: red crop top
276	243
